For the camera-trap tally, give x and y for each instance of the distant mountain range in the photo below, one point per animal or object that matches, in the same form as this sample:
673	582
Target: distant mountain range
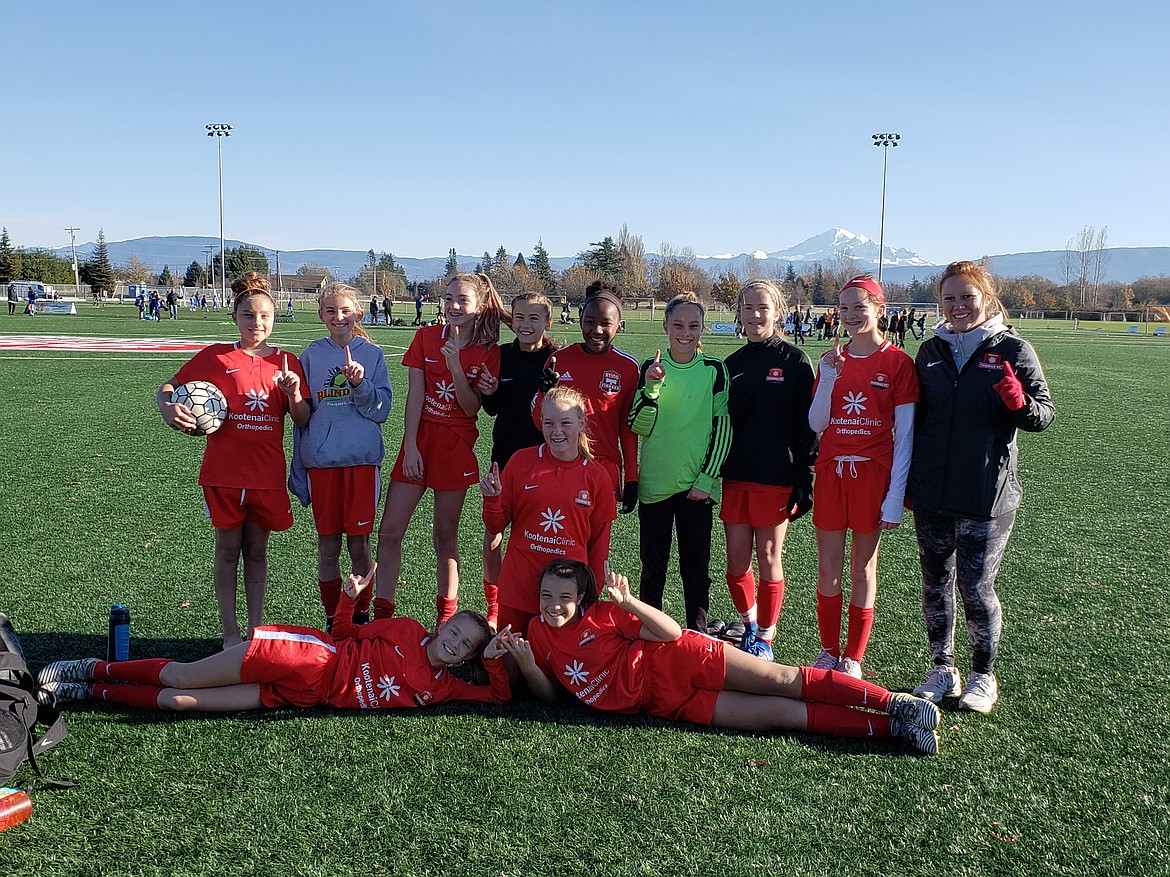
900	265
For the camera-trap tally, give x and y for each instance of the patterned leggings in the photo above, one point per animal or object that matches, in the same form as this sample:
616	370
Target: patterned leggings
964	552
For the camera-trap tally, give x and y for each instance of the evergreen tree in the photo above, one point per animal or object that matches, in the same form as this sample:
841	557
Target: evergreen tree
240	260
195	275
501	263
541	268
99	273
486	263
519	263
604	259
819	284
452	264
9	261
166	278
790	277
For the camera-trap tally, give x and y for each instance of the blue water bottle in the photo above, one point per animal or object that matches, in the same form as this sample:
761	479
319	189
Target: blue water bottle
118	645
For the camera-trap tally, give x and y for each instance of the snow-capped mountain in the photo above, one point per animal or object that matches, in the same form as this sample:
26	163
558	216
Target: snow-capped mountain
823	247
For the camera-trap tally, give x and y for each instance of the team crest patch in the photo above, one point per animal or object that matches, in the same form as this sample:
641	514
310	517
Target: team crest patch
881	381
583	498
775	375
422	698
611	382
473	372
587	637
992	361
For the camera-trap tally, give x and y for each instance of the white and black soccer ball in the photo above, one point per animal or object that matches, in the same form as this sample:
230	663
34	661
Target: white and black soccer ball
206	403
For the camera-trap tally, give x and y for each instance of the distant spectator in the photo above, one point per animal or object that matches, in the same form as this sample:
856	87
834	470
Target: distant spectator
12	299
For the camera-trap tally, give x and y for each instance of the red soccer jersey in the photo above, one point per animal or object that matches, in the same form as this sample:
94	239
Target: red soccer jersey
426	353
608	381
557	510
383	665
598	658
865	394
248	450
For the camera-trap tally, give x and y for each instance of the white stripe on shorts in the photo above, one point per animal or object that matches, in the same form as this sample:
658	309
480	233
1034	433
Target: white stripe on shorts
286	636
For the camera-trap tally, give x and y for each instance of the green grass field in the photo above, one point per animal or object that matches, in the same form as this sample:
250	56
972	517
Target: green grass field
1068	776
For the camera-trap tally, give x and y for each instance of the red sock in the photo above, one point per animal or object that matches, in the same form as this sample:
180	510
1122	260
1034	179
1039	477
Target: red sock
383	608
843	721
829	686
829	623
491	593
860	624
743	591
445	607
771	599
143	697
144	671
330	594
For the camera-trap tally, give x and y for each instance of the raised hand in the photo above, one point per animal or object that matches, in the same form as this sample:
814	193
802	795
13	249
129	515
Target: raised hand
355	584
287	380
354	371
451	348
834	357
487	382
490	484
617	586
656	371
1010	390
496	648
550	376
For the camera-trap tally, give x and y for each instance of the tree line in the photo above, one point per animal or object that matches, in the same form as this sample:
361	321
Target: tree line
621	258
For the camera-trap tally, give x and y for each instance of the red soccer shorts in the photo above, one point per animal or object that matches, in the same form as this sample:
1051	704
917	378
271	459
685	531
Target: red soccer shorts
290	664
848	496
448	455
345	499
684	677
229	507
759	505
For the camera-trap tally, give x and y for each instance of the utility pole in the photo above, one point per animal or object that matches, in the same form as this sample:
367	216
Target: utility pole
207	251
73	245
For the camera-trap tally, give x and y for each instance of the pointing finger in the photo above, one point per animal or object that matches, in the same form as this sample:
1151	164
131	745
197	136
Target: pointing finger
369	577
657	357
348	357
552	363
284	362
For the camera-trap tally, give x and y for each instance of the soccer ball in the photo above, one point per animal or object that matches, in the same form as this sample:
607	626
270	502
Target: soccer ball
206	402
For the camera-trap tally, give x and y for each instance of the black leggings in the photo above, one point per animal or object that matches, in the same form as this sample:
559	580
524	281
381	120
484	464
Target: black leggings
692	519
967	553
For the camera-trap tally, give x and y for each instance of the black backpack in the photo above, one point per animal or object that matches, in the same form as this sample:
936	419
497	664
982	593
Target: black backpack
21	713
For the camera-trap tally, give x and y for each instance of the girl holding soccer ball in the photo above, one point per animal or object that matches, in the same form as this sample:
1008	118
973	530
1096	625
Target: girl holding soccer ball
388	664
438	444
338	454
243	471
863	408
625	656
981	382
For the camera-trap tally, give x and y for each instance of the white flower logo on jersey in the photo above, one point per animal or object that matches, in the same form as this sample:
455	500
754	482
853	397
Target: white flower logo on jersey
853	403
257	400
387	687
552	520
445	391
576	673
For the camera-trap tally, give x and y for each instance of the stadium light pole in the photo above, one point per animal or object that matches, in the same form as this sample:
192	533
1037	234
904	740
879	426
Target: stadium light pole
885	141
220	131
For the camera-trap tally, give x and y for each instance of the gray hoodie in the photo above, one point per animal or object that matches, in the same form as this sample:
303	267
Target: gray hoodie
345	423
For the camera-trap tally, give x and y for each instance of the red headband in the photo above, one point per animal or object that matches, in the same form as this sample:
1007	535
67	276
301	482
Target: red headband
869	285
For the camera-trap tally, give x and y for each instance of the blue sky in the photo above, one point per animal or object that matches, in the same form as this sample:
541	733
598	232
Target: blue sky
416	127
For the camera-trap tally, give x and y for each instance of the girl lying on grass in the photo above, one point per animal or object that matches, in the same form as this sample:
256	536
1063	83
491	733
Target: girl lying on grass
390	663
626	656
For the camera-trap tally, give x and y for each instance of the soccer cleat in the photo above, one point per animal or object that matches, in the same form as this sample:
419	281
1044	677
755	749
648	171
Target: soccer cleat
825	661
940	682
762	649
57	694
914	710
750	630
981	693
849	667
925	740
80	670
